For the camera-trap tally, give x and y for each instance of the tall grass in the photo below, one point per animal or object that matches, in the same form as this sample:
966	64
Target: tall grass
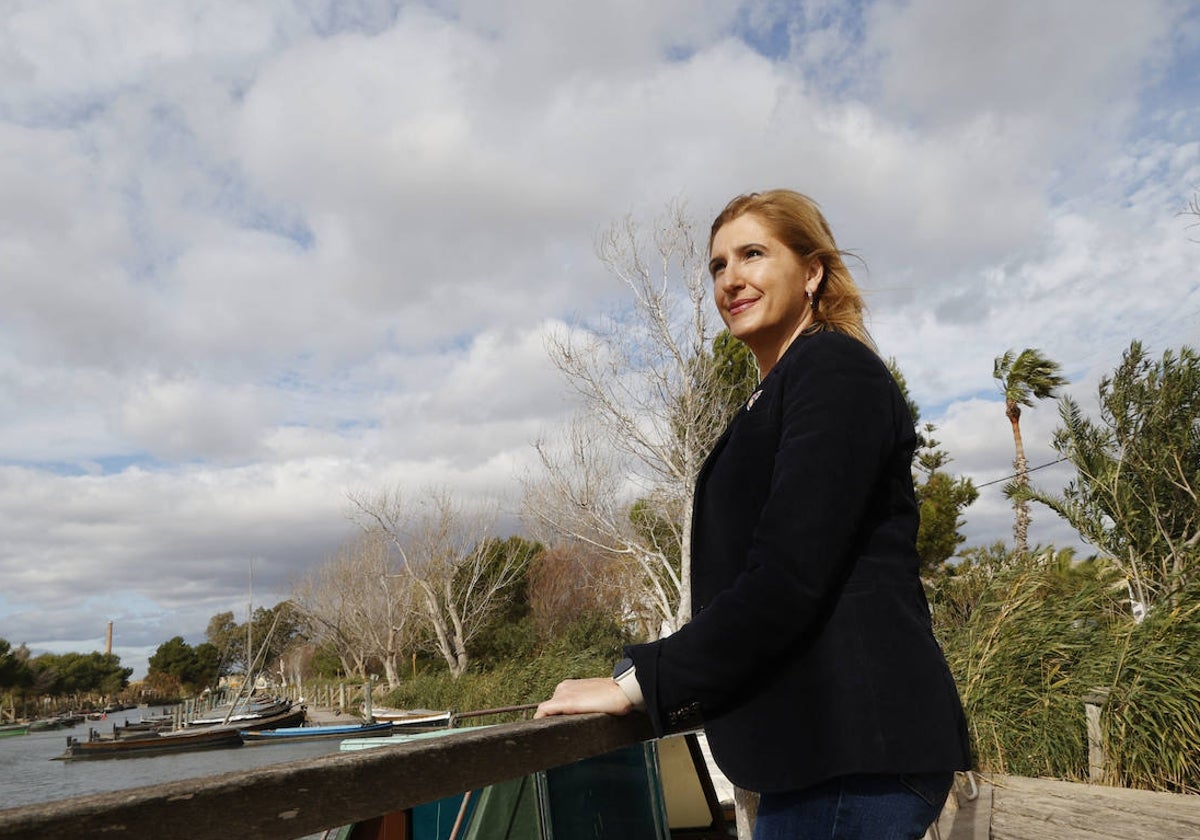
1153	714
1027	642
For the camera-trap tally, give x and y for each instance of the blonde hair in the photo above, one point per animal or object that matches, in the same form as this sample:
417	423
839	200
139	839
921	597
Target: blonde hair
796	221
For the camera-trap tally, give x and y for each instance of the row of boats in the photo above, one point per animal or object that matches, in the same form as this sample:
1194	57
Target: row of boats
259	720
62	721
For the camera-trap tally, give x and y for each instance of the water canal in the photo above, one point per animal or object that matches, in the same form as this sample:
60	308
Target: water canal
28	773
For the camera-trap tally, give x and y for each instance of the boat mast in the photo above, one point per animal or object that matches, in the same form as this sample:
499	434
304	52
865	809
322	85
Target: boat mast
250	623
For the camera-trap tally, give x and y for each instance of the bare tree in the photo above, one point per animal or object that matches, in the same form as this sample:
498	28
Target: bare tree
322	597
361	606
652	410
456	583
572	580
582	497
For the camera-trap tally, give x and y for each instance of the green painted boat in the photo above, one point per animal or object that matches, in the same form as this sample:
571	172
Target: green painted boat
660	790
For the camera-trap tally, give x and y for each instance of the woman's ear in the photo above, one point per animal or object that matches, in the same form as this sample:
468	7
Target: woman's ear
816	273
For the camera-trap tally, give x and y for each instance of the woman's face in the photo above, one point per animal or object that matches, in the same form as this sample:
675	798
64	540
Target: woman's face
761	287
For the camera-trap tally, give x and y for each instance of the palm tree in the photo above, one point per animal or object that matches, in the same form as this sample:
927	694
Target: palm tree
1023	379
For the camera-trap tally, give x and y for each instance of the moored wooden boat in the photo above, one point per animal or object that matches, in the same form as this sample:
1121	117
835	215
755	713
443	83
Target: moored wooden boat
315	733
412	719
143	725
13	729
150	743
243	712
291	716
64	721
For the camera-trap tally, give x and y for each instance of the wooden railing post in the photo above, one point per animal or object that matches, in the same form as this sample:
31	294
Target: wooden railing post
1093	704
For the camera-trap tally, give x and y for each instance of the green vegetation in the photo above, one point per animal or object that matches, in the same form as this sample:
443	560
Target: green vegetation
1153	716
941	496
178	669
1136	492
14	667
1029	637
587	647
59	674
271	631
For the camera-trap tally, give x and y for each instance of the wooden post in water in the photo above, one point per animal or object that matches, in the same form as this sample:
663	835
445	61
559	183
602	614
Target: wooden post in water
342	697
1093	703
368	715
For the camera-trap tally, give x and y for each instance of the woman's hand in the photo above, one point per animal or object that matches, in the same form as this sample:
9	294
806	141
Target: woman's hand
577	697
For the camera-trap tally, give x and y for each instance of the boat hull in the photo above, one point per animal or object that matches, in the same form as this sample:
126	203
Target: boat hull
243	714
315	733
151	743
413	720
278	715
293	717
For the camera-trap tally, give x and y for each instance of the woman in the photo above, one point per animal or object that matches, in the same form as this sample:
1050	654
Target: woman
810	659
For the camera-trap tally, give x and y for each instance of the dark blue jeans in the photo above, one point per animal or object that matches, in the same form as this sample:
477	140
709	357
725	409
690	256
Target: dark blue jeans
855	808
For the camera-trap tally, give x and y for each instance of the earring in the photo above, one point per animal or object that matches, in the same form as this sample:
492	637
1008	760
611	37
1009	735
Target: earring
812	302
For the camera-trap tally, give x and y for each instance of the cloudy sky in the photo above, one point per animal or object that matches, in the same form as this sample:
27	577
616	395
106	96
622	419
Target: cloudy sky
257	254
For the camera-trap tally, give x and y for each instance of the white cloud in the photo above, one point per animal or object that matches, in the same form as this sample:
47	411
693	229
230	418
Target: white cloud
253	256
1064	65
184	420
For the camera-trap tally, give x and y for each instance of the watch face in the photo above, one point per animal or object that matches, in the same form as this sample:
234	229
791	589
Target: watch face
622	668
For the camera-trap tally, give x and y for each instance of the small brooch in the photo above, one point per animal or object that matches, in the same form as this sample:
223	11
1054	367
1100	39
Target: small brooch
753	399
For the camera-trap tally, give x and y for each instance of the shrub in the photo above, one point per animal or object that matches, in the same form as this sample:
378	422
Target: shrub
1027	641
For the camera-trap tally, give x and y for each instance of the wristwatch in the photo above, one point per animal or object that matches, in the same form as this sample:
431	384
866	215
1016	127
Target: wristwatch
626	676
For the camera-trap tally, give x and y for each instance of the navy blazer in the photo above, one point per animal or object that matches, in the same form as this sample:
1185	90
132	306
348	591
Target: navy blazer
810	653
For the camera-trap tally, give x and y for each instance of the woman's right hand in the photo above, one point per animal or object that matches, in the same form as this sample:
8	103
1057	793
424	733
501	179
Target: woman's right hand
577	697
